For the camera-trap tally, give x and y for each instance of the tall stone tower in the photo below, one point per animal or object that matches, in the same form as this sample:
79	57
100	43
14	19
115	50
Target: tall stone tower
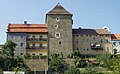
59	22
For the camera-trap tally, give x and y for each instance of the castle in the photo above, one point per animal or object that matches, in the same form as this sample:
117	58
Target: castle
57	36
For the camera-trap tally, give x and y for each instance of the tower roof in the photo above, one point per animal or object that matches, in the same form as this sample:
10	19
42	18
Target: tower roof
58	9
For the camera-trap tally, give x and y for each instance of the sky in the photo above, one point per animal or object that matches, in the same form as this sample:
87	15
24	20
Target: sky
86	13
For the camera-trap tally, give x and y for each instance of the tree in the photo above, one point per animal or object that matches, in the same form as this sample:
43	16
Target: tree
116	65
8	49
56	63
105	61
72	70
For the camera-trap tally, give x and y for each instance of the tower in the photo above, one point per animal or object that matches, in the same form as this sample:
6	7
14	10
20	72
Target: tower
59	22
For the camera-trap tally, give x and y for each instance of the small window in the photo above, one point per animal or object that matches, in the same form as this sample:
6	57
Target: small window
40	54
76	41
33	54
77	48
101	41
22	37
93	38
21	44
33	36
57	35
59	42
114	43
13	37
56	26
87	49
21	53
57	19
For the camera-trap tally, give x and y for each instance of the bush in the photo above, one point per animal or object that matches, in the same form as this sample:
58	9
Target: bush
43	57
72	70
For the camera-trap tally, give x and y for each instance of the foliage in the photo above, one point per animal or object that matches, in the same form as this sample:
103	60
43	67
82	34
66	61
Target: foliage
74	54
72	70
28	56
56	63
105	61
116	64
8	49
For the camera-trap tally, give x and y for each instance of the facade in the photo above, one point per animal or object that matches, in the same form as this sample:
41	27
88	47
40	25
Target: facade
92	41
116	42
30	38
57	36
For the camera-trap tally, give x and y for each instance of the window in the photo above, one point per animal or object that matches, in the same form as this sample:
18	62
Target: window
77	41
87	49
57	35
93	38
59	42
56	26
119	43
13	37
77	48
22	37
101	41
40	54
21	44
33	36
33	54
114	43
57	19
21	53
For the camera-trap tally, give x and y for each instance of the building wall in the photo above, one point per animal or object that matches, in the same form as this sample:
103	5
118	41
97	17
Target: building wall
83	43
60	34
20	40
116	45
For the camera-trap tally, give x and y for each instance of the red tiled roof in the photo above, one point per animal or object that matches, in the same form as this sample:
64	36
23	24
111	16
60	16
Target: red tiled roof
115	36
42	28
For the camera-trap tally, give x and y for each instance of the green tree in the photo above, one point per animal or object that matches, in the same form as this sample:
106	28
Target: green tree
72	70
105	61
116	65
56	63
8	49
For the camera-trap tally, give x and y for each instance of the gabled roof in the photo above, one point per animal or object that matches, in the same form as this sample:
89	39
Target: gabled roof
90	31
58	9
115	37
36	28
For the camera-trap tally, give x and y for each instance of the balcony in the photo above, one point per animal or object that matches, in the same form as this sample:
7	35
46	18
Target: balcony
96	46
36	47
36	39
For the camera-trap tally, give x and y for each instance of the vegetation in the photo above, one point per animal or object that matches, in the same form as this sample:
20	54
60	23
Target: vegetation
8	49
72	70
56	63
7	61
28	56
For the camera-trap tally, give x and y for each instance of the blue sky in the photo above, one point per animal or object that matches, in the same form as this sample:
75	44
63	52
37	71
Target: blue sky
86	13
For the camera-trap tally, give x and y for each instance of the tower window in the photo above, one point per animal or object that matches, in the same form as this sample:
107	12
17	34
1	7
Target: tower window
56	26
59	42
57	19
57	35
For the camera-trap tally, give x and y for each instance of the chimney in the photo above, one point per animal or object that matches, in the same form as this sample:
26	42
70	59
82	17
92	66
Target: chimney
25	22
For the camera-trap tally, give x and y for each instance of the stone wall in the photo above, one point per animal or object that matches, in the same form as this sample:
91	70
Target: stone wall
37	64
